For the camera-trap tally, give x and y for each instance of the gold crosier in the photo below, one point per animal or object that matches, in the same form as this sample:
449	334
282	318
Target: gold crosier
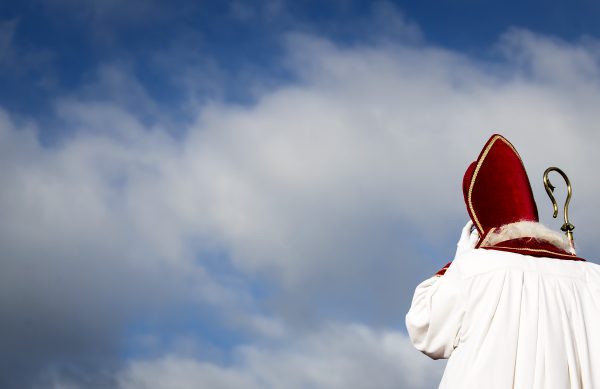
567	227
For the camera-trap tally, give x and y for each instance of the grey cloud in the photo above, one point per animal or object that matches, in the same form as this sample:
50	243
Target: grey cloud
78	262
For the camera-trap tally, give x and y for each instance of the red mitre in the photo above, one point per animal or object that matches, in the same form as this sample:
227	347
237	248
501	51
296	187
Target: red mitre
497	192
496	187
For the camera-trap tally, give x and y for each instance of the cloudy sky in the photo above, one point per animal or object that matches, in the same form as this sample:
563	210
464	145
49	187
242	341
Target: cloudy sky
238	194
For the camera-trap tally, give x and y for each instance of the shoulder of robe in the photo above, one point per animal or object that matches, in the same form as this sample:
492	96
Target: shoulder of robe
592	272
480	261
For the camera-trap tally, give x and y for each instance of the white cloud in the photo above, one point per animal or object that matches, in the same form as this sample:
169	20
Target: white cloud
338	356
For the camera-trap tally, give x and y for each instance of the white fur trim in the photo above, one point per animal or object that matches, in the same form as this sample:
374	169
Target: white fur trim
527	229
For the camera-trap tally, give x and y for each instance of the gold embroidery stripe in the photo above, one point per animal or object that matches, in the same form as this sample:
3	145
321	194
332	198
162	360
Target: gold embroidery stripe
535	250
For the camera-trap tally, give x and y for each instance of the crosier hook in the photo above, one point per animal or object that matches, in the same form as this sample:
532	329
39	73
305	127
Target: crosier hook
567	227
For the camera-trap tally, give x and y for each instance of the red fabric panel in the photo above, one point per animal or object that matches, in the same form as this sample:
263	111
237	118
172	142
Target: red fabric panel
534	248
442	271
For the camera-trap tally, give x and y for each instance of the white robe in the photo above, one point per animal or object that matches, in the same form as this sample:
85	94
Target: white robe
507	320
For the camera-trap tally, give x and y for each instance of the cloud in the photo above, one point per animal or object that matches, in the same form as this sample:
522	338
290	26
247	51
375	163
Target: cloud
337	356
325	201
80	258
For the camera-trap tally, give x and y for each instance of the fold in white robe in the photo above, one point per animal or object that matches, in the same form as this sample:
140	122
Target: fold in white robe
507	320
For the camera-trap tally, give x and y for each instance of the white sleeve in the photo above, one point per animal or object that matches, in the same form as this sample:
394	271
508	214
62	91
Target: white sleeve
434	319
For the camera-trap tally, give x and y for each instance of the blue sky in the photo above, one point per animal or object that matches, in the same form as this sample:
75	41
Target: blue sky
241	194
